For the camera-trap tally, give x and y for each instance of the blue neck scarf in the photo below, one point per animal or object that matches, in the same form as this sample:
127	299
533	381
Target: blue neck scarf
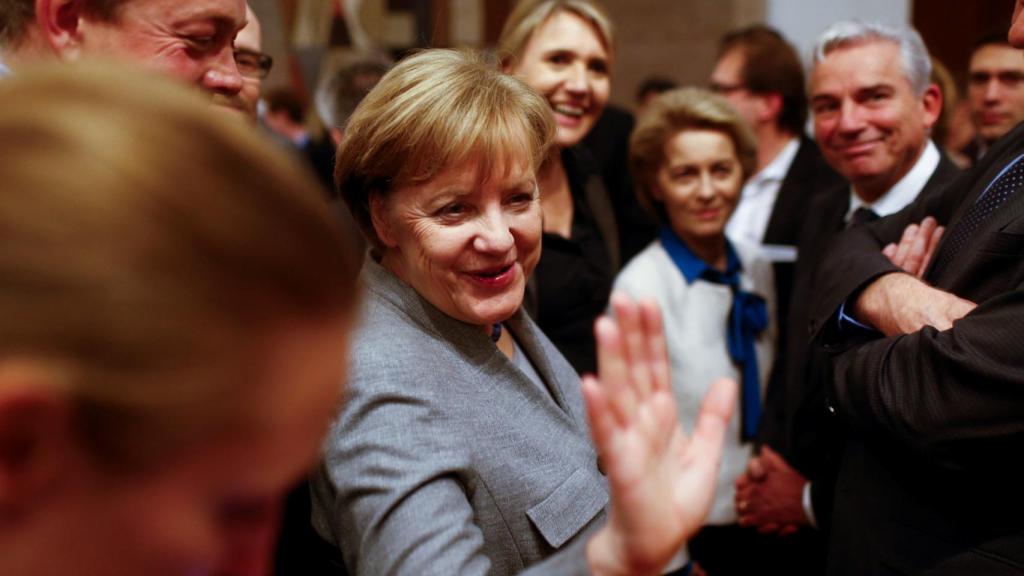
747	318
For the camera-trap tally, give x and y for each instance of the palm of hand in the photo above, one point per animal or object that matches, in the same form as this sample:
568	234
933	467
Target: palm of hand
662	482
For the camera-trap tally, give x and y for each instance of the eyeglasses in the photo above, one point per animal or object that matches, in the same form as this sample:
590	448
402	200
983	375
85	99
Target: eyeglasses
724	89
255	65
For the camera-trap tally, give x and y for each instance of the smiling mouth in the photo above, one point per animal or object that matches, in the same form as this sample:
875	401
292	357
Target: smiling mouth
570	111
498	276
859	147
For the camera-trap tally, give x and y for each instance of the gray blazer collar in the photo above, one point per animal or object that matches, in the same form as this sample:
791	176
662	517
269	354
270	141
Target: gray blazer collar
474	342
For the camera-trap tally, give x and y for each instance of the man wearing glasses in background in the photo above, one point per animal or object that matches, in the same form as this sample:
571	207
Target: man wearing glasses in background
759	73
191	41
253	65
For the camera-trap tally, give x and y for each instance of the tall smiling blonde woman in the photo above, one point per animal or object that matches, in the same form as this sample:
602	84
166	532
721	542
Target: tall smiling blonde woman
563	49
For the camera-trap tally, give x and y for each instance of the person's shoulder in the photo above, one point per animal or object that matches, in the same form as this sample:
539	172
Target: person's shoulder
811	168
647	263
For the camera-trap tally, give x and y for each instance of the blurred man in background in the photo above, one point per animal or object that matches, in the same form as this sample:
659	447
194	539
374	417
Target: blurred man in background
995	91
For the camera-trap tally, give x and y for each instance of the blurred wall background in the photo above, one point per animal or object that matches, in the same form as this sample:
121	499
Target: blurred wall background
673	38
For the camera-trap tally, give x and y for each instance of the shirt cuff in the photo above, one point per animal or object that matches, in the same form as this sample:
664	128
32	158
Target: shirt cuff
808	506
847	322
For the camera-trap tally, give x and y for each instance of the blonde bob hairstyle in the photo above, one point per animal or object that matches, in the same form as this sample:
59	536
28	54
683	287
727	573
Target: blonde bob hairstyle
528	15
432	111
151	249
674	112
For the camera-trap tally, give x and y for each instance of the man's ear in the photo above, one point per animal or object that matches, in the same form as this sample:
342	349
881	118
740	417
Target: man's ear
35	436
379	218
931	104
59	24
771	106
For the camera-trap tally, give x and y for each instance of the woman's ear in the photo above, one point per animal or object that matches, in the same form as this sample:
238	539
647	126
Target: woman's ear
36	435
381	224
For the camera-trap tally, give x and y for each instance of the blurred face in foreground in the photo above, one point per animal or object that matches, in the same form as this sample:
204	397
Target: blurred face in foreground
209	509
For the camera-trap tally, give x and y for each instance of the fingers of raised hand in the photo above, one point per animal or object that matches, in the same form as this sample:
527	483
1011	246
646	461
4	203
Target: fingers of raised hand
632	327
656	346
613	370
602	419
715	412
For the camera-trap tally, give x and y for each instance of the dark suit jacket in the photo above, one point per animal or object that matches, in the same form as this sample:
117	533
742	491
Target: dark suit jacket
608	143
809	176
930	480
797	424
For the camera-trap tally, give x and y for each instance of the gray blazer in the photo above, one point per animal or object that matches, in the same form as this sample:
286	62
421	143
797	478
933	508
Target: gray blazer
446	458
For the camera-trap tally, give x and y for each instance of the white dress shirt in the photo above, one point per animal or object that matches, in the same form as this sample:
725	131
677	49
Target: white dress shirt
903	192
757	200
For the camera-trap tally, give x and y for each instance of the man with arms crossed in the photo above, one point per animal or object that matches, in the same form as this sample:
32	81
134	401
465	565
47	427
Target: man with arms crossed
874	107
932	394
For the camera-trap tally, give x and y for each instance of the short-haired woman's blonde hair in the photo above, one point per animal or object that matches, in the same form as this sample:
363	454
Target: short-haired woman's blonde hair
150	246
674	112
528	15
432	111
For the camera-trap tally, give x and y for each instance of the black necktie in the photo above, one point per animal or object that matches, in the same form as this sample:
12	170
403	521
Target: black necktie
862	215
982	209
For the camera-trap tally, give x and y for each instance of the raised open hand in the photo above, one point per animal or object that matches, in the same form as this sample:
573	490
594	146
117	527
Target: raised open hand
662	482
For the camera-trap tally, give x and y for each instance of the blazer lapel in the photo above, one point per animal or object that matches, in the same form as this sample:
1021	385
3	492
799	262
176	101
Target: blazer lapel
526	334
1003	215
478	349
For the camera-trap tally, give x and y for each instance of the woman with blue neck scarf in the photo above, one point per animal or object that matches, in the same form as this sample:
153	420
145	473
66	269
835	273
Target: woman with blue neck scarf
690	154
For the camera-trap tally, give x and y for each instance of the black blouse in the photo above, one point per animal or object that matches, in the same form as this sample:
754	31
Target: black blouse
573	279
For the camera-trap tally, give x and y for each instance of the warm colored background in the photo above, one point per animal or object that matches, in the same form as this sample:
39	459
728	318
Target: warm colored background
674	38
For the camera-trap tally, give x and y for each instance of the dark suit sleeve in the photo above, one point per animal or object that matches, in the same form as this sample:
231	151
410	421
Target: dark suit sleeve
954	396
861	260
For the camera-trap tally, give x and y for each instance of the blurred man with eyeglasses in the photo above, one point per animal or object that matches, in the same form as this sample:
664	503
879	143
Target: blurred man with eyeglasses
191	41
761	76
253	65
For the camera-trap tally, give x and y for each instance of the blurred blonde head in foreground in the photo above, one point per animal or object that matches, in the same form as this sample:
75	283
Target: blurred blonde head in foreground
173	308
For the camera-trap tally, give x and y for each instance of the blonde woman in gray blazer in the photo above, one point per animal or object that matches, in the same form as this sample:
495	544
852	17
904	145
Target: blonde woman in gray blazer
463	447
